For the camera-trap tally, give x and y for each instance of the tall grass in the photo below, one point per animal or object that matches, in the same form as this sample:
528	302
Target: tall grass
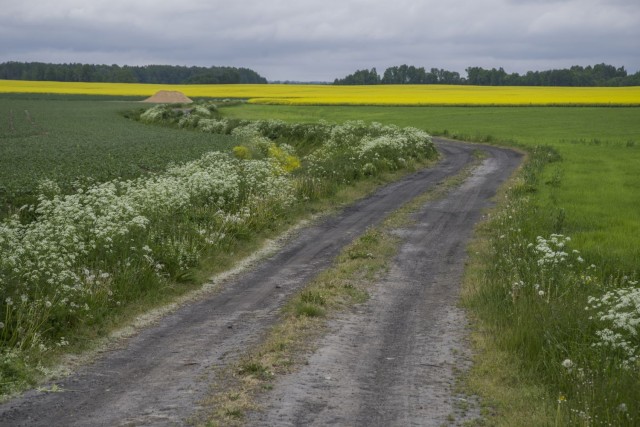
572	326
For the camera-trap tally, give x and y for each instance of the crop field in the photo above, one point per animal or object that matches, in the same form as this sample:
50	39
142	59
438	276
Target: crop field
353	95
77	140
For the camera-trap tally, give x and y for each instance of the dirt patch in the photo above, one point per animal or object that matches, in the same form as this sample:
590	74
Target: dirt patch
169	97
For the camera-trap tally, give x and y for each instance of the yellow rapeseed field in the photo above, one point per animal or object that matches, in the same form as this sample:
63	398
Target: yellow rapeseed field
354	95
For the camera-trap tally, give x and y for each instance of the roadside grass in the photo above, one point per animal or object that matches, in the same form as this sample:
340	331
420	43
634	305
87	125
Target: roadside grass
510	396
556	334
339	289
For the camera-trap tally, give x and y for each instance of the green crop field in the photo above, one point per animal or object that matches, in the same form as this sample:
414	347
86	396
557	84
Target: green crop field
71	139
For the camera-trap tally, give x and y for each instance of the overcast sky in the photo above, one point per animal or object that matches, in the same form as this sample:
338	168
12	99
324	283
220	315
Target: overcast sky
319	40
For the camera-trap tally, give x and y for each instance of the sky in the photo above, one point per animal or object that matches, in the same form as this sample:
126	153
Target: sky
320	40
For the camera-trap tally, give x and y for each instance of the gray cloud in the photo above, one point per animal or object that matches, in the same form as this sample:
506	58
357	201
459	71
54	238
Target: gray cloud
321	40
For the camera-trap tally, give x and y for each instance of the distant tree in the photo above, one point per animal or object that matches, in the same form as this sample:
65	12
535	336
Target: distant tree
390	76
598	75
403	74
163	74
477	76
360	77
121	75
449	77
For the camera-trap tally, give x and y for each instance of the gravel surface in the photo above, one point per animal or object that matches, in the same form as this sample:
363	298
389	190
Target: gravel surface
384	363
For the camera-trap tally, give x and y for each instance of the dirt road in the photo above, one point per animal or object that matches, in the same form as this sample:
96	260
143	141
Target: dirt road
393	361
384	364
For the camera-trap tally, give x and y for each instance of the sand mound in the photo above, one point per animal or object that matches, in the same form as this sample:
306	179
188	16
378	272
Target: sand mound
169	97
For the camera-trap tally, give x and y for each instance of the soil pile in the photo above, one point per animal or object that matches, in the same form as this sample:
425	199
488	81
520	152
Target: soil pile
169	97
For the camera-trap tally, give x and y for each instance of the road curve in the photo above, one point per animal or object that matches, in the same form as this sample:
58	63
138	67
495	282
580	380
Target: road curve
158	376
392	361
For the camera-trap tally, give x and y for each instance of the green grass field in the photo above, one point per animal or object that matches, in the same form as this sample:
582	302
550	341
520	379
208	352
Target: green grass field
599	190
69	138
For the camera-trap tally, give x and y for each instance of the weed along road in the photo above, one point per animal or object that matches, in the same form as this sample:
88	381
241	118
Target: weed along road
388	363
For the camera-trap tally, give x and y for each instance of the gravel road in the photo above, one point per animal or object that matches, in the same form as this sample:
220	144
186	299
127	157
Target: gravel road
389	364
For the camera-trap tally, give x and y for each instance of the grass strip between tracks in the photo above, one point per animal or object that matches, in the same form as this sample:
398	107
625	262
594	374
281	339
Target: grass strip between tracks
286	346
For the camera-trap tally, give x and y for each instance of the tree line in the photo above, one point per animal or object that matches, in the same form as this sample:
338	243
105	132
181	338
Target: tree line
597	75
161	74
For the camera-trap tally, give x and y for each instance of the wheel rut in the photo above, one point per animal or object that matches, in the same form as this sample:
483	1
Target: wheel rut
158	376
